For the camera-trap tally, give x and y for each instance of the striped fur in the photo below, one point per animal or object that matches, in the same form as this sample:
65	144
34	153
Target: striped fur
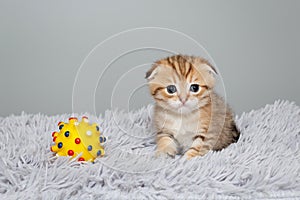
192	122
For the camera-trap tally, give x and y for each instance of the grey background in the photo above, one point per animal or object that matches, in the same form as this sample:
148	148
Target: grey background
255	45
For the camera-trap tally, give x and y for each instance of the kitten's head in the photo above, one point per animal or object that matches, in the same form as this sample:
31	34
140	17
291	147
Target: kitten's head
181	83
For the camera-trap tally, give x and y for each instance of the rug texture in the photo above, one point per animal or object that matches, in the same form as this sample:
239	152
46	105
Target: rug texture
263	164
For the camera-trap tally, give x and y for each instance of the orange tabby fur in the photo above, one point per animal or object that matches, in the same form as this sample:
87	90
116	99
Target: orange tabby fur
193	122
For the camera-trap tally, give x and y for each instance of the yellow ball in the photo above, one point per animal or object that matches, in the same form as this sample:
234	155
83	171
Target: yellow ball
78	138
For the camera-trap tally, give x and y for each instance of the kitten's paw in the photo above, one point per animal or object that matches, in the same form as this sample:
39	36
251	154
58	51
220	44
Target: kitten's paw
166	152
192	152
166	146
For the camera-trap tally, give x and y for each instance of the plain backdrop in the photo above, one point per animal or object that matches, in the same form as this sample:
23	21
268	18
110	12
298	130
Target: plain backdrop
254	44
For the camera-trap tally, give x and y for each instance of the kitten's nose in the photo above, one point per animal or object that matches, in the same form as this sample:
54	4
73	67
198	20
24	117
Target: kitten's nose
183	100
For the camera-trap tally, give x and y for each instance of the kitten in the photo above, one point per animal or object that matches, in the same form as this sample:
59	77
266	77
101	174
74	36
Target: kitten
188	115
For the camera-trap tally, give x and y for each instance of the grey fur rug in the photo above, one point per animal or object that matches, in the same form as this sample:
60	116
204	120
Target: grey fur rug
264	164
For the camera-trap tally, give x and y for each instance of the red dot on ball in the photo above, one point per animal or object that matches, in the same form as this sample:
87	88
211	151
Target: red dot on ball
73	118
77	140
54	139
51	149
53	133
70	152
81	159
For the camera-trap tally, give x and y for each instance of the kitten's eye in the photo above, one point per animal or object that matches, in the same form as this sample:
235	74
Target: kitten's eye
171	89
194	88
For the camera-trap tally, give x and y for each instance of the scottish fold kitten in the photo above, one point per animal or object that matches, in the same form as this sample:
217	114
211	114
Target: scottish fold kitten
189	116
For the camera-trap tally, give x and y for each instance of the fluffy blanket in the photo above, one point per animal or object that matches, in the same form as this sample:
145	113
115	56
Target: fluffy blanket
263	164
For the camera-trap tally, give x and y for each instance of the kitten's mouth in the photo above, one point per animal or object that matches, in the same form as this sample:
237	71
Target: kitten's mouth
183	110
183	107
182	104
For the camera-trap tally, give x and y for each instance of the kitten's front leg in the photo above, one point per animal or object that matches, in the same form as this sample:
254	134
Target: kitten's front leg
166	144
198	148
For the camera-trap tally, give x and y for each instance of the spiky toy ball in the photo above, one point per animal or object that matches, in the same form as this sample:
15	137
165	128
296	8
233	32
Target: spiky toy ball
76	138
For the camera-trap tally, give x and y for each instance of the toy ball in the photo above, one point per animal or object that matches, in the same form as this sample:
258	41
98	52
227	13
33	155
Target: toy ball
78	138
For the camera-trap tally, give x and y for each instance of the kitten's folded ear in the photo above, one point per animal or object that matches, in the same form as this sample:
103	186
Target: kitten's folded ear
151	72
208	72
210	69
